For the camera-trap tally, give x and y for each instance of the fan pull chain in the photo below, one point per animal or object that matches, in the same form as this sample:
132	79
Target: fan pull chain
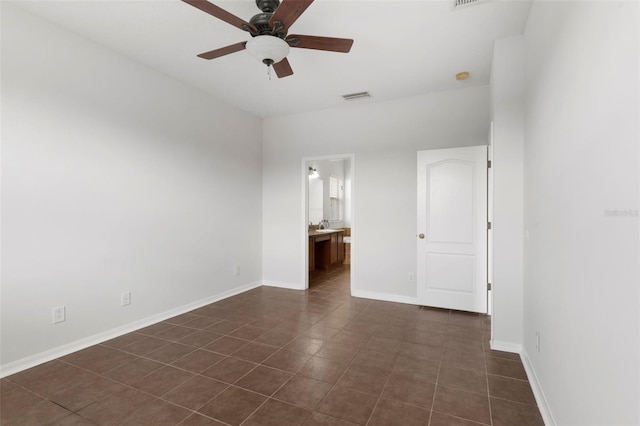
269	72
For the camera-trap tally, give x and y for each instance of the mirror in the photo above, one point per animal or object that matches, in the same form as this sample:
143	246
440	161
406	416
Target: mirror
316	197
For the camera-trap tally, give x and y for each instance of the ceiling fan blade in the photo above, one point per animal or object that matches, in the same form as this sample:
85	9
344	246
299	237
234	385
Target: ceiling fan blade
283	68
289	11
221	14
320	43
232	48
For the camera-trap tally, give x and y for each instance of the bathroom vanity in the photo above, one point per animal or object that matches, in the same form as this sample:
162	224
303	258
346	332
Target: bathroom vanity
326	248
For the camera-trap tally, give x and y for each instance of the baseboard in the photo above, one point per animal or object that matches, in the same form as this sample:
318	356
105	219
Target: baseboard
57	352
541	400
384	296
280	284
498	345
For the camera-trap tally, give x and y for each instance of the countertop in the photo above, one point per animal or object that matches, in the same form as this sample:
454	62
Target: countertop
327	232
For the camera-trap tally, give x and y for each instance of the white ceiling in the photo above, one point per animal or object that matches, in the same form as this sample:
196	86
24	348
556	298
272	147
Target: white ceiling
401	48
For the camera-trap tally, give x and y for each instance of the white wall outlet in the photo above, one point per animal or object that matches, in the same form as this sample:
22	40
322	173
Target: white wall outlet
412	277
59	314
236	270
125	298
538	341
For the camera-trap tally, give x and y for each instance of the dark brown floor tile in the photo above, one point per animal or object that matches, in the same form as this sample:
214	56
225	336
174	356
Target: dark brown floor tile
389	413
303	392
170	353
464	344
511	389
276	413
425	337
162	380
305	345
287	360
422	352
145	346
226	345
464	332
78	397
350	405
430	326
98	359
504	355
351	339
507	368
45	412
507	413
326	370
461	403
264	380
276	338
60	380
198	361
338	352
321	332
466	319
248	332
425	370
381	360
408	390
73	420
225	326
200	338
452	358
200	420
441	419
434	315
364	379
182	318
233	405
16	403
157	413
124	340
319	419
229	369
255	352
154	329
465	379
115	408
200	322
293	326
133	371
195	392
384	345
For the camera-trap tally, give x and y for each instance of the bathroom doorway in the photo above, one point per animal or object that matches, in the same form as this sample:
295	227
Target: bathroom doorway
328	183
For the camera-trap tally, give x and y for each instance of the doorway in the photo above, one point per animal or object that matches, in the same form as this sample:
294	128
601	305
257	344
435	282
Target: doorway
328	194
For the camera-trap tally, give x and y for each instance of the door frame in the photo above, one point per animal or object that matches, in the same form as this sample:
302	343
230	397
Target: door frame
305	213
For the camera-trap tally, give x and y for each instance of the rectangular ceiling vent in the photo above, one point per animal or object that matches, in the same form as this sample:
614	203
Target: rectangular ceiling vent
459	4
354	96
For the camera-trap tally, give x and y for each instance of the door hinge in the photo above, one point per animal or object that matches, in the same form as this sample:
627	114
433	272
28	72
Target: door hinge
488	225
488	164
488	286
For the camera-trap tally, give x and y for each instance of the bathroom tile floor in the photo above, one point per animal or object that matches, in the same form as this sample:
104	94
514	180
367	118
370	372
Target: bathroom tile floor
273	356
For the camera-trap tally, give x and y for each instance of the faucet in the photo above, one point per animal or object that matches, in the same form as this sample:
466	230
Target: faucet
324	224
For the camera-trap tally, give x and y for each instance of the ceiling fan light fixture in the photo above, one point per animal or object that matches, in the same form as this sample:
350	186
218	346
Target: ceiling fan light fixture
268	49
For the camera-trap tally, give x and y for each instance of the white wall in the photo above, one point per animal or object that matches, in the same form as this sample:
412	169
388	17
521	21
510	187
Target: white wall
581	159
507	90
384	138
114	178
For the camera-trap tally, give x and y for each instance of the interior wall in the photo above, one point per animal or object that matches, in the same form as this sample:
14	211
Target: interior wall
507	91
114	178
384	138
582	184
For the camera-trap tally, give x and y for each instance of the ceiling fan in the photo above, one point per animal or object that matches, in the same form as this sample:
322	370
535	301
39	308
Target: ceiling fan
270	42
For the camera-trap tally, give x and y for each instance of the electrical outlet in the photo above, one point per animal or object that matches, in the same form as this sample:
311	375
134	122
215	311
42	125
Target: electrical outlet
538	341
236	270
412	276
59	314
125	298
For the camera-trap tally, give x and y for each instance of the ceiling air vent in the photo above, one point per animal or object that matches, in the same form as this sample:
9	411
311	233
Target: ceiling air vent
458	4
354	96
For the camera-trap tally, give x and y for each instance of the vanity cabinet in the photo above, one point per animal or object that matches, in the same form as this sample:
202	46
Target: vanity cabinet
326	249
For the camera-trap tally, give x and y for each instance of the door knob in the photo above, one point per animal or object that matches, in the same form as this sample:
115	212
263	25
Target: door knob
421	236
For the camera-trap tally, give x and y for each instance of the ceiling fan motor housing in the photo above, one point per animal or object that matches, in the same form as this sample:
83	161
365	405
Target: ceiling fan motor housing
268	5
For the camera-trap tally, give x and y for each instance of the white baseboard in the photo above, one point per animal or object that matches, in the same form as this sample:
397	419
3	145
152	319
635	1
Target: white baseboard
498	345
280	284
541	400
59	351
384	296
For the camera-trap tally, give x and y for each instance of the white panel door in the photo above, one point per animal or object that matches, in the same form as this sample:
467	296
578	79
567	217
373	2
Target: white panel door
452	228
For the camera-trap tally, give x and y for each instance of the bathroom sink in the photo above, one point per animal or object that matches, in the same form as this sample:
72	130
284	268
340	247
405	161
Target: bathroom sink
326	230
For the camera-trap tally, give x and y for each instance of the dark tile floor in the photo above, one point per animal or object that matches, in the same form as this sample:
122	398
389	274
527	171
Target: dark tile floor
272	356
